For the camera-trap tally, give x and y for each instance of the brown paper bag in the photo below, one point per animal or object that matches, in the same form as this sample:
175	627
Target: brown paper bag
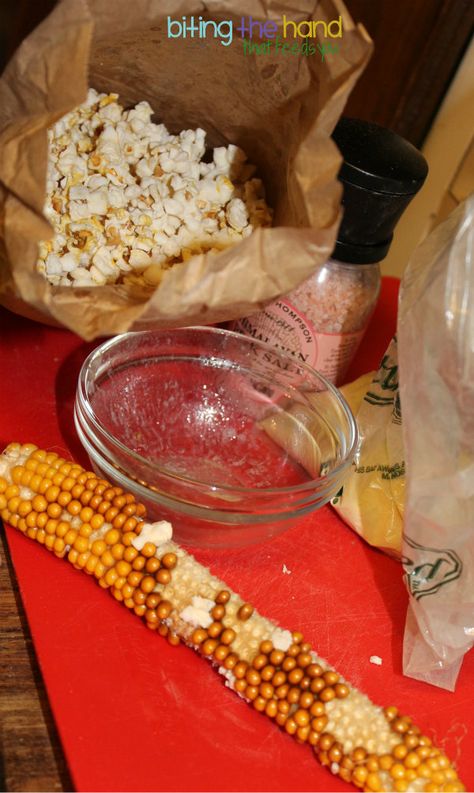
281	109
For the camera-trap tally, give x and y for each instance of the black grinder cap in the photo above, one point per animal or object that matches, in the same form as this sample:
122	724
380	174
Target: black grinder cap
381	173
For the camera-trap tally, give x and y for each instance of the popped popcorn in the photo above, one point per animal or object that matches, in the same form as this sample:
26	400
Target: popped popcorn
127	199
375	659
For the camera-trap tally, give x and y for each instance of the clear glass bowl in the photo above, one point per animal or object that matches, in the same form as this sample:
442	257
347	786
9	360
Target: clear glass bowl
228	438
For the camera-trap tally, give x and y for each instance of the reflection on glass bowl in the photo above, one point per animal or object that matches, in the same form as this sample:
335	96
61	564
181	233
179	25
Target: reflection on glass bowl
230	439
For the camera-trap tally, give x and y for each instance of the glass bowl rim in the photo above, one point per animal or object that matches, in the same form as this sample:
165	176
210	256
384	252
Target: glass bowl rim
171	475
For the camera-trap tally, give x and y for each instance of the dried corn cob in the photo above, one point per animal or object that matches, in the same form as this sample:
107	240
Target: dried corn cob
101	530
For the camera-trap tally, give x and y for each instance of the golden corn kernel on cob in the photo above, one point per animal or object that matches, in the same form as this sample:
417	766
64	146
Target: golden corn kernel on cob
101	529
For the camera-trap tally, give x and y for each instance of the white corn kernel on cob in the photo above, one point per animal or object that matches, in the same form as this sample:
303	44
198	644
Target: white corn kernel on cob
101	529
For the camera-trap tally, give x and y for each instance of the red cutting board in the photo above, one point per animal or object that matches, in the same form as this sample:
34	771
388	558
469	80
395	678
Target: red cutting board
134	713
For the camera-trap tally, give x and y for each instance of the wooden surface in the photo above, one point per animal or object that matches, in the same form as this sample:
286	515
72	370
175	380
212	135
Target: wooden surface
418	46
30	754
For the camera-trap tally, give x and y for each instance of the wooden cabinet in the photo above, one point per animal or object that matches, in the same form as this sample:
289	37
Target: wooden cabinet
418	47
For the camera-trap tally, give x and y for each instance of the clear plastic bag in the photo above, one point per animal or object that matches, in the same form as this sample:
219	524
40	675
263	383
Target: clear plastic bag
436	359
